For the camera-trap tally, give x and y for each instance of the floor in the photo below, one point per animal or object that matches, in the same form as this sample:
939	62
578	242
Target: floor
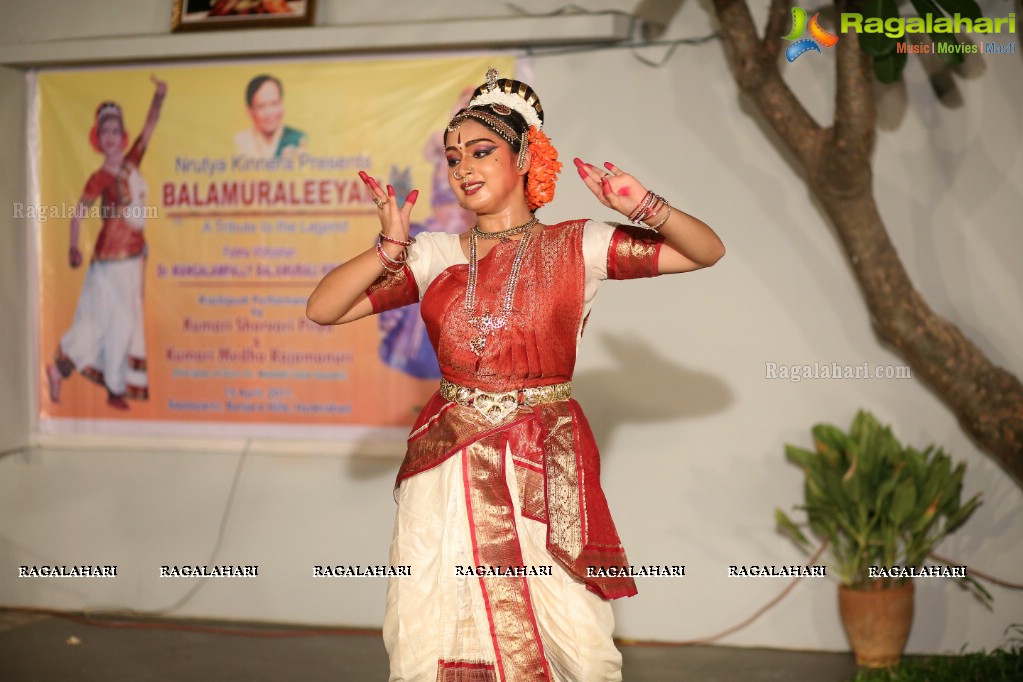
44	648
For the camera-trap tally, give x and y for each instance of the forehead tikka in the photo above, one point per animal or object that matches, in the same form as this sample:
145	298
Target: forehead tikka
491	121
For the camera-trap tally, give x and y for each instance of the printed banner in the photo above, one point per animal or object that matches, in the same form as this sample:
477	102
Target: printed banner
185	213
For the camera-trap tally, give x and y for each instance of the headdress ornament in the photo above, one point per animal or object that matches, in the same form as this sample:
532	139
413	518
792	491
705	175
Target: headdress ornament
107	109
509	94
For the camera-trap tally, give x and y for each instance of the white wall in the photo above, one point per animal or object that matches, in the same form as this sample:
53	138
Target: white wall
672	371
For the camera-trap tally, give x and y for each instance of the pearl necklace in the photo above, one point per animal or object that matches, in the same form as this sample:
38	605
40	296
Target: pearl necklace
487	322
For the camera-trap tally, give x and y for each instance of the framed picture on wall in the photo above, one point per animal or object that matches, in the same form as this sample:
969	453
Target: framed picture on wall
202	15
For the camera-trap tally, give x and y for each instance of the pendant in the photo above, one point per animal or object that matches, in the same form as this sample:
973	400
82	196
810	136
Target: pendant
485	323
478	344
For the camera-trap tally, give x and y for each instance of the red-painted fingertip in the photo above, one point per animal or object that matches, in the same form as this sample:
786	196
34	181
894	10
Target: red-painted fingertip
412	196
364	177
577	161
582	171
608	165
390	190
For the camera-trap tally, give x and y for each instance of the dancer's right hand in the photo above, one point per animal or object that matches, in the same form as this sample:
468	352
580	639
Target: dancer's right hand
394	221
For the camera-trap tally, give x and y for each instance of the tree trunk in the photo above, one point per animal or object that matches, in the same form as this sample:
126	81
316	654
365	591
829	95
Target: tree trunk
986	399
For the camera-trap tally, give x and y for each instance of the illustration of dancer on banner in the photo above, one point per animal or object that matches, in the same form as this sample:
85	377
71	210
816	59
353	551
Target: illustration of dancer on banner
106	341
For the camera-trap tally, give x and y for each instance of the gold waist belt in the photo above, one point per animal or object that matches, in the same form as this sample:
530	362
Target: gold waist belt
496	406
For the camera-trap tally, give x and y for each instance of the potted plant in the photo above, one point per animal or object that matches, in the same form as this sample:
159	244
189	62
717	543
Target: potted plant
881	508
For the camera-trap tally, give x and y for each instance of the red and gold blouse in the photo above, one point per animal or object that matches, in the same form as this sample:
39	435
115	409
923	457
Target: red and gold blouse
123	207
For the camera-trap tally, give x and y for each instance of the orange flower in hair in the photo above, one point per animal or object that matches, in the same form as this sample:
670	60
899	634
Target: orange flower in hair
543	169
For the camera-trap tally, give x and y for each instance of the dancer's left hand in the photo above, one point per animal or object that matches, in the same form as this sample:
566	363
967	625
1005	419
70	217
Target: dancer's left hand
614	188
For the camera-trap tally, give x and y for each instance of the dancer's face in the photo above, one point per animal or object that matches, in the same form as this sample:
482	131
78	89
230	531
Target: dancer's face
488	177
111	136
267	108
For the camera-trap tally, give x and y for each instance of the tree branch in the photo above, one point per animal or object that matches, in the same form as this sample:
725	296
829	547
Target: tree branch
987	399
853	133
776	16
756	73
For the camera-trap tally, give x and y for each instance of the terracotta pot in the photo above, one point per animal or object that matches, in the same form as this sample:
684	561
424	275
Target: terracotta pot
877	623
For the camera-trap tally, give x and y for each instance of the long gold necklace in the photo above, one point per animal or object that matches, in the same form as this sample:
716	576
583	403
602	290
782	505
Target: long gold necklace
487	322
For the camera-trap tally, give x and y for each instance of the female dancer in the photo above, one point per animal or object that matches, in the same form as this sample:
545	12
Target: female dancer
106	341
501	517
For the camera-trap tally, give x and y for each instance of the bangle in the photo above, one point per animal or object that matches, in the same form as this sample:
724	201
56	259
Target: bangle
655	207
410	242
667	213
391	264
384	258
642	207
393	261
380	247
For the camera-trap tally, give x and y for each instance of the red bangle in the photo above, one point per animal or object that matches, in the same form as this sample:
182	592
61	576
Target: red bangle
650	211
410	242
642	207
657	203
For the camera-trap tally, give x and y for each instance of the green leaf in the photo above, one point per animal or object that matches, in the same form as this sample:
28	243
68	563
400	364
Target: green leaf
960	517
800	457
887	488
925	518
822	528
878	44
967	8
833	488
864	422
927	7
979	590
889	68
787	527
830	443
903	503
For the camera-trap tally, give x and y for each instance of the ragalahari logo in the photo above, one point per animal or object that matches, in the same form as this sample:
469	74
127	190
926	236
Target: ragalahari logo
818	36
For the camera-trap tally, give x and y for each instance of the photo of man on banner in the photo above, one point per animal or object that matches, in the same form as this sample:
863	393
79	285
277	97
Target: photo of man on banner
268	137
